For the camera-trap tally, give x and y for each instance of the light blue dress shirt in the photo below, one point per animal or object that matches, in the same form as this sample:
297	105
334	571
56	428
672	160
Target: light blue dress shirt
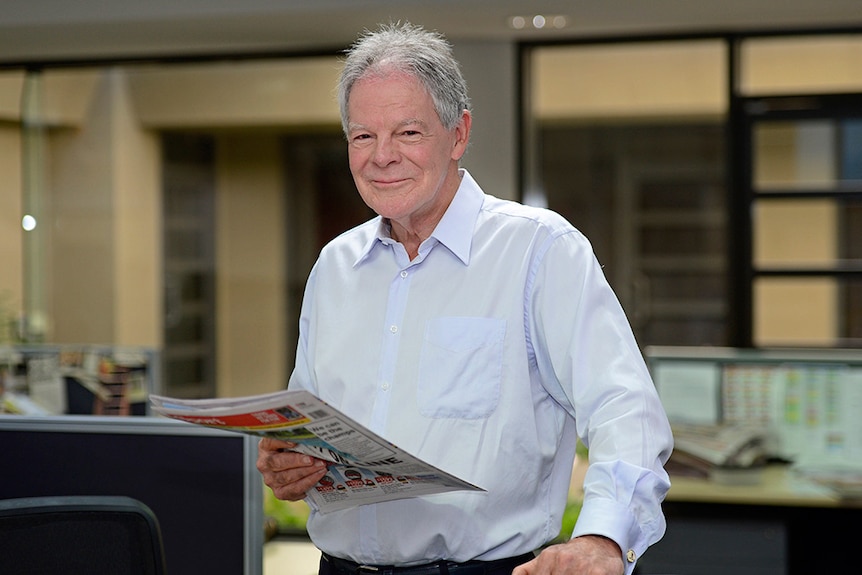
487	356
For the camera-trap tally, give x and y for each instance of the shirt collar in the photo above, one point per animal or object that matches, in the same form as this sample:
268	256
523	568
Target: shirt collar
380	236
455	228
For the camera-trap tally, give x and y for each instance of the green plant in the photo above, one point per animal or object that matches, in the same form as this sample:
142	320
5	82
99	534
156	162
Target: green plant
7	319
290	516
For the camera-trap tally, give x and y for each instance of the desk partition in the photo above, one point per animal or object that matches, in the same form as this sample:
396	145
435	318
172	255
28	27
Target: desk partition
201	483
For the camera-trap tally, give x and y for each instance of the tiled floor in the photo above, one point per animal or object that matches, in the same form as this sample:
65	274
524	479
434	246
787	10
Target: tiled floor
290	557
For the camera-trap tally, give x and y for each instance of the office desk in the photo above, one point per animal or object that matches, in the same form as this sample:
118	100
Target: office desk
783	525
778	485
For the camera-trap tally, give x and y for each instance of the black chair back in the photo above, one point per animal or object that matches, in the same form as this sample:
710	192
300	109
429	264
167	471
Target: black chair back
72	535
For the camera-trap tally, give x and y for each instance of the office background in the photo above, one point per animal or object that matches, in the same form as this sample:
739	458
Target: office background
184	163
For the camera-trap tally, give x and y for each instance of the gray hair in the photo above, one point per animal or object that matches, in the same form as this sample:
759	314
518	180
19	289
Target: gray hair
425	55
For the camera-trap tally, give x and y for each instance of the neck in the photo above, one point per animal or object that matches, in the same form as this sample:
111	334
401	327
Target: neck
415	229
410	240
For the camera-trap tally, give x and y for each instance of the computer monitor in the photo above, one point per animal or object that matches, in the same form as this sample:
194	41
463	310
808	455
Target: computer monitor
201	483
806	398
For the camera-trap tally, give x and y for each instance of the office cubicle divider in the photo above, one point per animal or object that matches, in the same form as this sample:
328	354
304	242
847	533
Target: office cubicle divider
201	483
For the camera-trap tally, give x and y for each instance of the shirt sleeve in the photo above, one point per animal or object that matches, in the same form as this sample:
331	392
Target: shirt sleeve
589	361
300	377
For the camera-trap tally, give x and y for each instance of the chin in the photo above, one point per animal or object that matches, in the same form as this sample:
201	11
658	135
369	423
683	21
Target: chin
388	207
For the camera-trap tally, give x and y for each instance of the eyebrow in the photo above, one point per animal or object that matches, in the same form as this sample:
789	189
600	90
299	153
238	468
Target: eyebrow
352	127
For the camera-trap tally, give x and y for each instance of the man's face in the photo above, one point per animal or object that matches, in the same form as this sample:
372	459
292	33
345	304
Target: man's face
404	162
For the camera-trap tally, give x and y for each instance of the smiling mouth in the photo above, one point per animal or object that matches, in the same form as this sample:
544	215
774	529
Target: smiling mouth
388	182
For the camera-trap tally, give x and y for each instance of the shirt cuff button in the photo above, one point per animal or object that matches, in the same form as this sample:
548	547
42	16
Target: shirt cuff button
631	556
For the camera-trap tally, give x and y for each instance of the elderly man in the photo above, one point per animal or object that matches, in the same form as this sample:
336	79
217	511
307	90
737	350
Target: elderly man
477	333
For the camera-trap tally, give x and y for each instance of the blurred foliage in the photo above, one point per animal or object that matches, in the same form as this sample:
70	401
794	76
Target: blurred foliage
570	517
581	450
8	324
290	516
573	509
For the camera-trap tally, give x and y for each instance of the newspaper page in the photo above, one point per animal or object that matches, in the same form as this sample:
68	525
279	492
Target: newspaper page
364	467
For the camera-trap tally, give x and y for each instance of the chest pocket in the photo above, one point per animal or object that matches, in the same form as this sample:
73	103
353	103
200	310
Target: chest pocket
460	367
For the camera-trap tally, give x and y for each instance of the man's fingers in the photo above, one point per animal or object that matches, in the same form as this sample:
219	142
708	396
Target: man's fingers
271	444
525	568
293	484
287	473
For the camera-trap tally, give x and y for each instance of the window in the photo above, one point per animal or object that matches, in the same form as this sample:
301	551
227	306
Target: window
627	141
800	127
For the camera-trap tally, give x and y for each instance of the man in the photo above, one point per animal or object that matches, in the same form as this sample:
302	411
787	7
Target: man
476	333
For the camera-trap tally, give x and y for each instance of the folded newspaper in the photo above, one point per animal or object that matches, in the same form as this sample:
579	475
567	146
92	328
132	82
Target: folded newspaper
364	467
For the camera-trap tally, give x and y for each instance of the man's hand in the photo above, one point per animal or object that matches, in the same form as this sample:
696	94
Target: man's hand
287	473
585	555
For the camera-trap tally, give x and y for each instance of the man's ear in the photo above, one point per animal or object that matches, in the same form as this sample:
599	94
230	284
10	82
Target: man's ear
462	135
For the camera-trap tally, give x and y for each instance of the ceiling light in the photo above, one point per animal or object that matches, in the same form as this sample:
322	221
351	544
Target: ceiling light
517	22
539	22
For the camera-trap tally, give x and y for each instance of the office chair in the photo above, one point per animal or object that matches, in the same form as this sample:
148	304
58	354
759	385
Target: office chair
78	535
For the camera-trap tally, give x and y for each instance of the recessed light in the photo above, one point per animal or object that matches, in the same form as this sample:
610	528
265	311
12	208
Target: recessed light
539	22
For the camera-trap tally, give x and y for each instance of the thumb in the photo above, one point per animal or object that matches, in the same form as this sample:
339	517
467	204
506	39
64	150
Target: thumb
527	568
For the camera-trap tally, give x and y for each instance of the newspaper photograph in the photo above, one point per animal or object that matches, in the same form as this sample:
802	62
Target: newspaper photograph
364	467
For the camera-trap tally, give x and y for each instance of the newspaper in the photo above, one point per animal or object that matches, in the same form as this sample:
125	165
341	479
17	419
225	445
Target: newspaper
364	467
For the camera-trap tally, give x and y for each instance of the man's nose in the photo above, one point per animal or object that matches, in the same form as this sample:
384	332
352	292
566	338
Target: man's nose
385	152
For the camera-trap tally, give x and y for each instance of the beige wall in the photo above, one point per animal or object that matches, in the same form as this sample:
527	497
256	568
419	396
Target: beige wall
268	93
810	65
137	197
250	251
795	311
11	84
78	264
11	263
103	267
660	79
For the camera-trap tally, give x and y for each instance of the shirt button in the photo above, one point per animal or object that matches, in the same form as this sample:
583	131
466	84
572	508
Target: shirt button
631	556
385	386
404	274
393	328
